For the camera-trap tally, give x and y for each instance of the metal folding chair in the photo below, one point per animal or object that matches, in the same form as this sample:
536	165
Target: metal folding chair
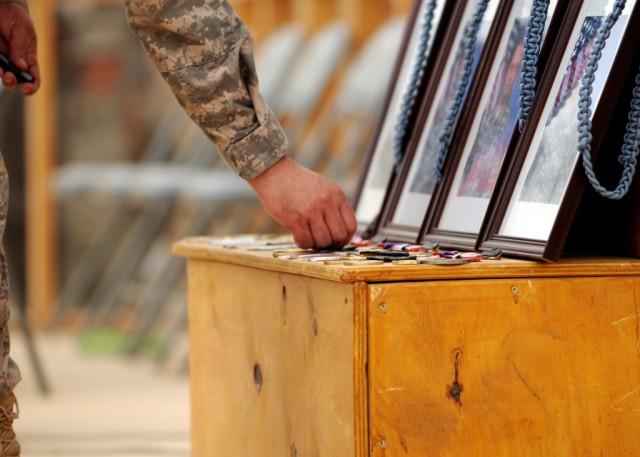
79	180
307	81
337	145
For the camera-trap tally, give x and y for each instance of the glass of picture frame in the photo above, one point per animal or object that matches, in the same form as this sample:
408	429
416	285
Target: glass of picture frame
459	204
378	169
408	199
537	200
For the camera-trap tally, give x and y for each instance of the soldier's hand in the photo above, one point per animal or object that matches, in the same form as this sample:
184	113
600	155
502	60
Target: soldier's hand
313	208
18	41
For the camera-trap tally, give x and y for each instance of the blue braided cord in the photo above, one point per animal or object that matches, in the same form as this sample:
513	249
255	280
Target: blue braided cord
529	67
471	35
409	98
629	154
588	35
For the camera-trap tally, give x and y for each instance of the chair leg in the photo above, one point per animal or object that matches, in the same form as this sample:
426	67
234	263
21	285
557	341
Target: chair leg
92	263
103	302
41	379
153	296
18	300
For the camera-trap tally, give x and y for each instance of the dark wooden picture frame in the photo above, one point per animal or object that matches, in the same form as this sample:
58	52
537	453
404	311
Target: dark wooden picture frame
536	202
482	144
378	169
422	148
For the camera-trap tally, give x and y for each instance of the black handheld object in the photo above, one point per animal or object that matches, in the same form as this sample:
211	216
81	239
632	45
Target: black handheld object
396	255
21	75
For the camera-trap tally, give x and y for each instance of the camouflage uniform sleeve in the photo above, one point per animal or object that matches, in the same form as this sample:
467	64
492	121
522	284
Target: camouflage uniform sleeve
204	52
20	2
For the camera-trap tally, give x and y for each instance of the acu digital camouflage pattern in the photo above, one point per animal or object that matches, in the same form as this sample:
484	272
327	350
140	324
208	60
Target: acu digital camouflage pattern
9	372
205	53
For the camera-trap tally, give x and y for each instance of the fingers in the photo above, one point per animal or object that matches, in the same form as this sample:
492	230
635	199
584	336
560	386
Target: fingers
27	61
322	236
33	68
340	220
9	80
313	208
318	235
28	88
335	226
349	218
302	237
18	41
325	230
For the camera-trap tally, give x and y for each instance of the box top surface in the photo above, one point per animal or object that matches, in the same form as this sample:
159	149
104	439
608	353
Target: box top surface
262	256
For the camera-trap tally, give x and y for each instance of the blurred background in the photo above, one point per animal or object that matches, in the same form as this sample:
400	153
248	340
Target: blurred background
107	172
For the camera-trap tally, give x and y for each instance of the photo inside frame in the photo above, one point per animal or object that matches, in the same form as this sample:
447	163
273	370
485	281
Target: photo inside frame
538	199
466	196
552	156
380	168
415	191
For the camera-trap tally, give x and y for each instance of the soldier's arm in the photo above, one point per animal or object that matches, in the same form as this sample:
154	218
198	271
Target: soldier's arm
205	54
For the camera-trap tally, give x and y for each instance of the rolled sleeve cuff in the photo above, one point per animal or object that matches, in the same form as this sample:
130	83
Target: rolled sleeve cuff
259	150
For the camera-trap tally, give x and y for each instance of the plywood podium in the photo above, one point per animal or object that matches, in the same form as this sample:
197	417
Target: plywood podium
497	358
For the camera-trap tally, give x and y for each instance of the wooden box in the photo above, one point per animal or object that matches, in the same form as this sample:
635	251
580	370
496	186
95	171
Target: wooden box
495	358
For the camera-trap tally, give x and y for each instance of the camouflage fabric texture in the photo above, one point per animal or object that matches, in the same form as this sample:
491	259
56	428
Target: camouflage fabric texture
9	372
205	53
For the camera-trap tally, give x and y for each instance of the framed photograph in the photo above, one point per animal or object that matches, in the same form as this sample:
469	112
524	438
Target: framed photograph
378	170
545	180
481	146
408	199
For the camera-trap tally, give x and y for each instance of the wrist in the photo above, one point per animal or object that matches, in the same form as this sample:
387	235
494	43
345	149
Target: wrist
278	167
